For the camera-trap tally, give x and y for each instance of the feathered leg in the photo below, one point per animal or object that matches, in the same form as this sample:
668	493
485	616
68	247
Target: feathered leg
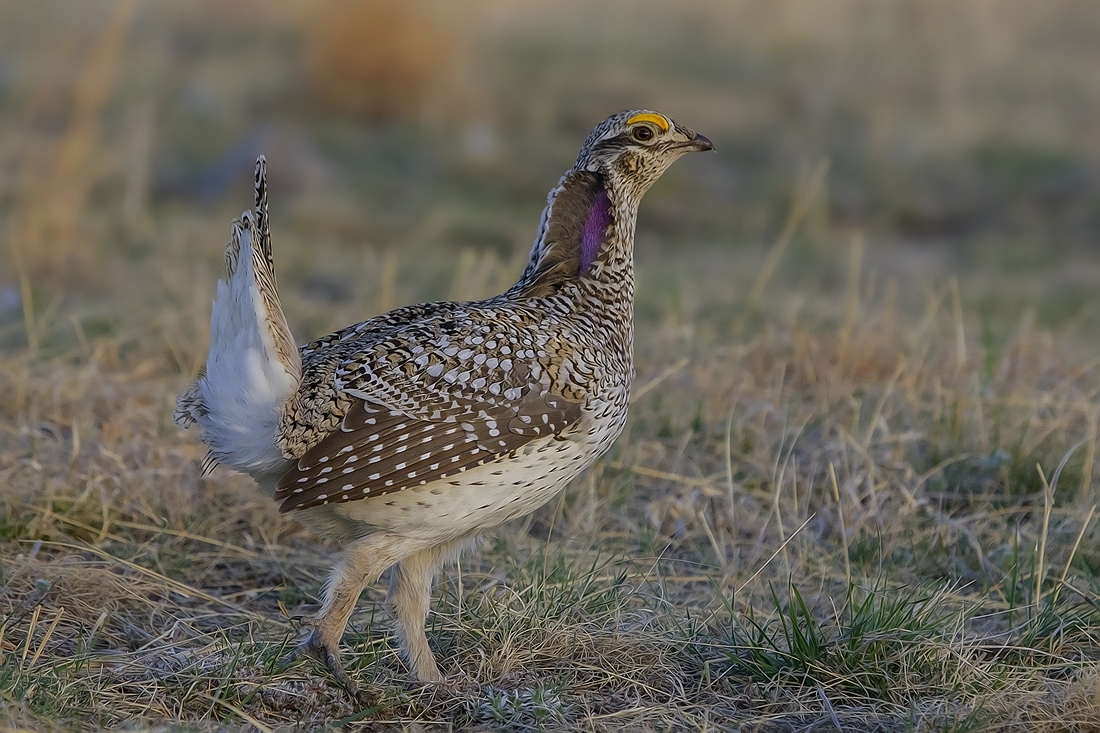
362	564
409	599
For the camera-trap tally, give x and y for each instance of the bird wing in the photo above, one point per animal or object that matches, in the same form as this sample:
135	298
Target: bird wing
431	400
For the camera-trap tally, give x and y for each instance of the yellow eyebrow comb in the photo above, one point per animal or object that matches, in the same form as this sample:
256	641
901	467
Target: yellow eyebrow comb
656	119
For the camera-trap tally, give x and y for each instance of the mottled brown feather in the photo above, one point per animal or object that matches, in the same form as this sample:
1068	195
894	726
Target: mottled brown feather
379	451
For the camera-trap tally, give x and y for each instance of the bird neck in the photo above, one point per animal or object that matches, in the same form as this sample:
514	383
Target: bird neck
585	237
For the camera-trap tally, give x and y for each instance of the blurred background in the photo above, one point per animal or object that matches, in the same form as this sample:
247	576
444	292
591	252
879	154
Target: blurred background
411	144
862	326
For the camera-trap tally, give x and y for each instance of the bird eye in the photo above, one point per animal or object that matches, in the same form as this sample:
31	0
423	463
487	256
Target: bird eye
643	133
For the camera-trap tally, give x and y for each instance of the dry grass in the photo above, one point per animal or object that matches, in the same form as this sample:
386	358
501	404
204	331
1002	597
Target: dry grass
854	524
859	483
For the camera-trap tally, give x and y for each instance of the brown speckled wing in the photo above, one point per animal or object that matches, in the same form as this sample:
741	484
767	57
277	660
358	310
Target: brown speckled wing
433	401
378	451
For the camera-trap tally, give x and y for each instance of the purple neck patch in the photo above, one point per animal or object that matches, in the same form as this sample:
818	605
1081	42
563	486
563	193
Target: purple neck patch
595	229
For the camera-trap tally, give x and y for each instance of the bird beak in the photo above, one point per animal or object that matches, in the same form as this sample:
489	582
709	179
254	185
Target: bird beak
696	143
700	143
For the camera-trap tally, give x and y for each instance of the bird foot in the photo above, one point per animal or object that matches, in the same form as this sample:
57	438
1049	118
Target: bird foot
315	646
428	675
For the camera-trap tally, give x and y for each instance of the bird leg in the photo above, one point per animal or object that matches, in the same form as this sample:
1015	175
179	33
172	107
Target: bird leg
408	600
363	563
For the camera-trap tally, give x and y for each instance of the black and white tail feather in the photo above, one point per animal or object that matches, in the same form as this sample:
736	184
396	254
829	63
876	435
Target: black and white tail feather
253	366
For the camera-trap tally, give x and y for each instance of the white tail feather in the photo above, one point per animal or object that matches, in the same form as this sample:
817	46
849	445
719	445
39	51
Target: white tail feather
252	368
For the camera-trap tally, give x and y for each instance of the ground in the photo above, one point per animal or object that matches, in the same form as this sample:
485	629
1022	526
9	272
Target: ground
858	486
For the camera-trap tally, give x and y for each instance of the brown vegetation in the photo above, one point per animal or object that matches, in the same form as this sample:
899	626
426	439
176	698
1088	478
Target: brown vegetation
379	59
859	485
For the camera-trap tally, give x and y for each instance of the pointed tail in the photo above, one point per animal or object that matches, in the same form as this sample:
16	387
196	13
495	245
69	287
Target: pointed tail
253	366
263	224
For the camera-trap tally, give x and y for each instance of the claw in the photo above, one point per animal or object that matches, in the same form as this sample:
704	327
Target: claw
315	646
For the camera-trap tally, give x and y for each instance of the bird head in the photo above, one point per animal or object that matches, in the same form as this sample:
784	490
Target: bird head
587	227
633	148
